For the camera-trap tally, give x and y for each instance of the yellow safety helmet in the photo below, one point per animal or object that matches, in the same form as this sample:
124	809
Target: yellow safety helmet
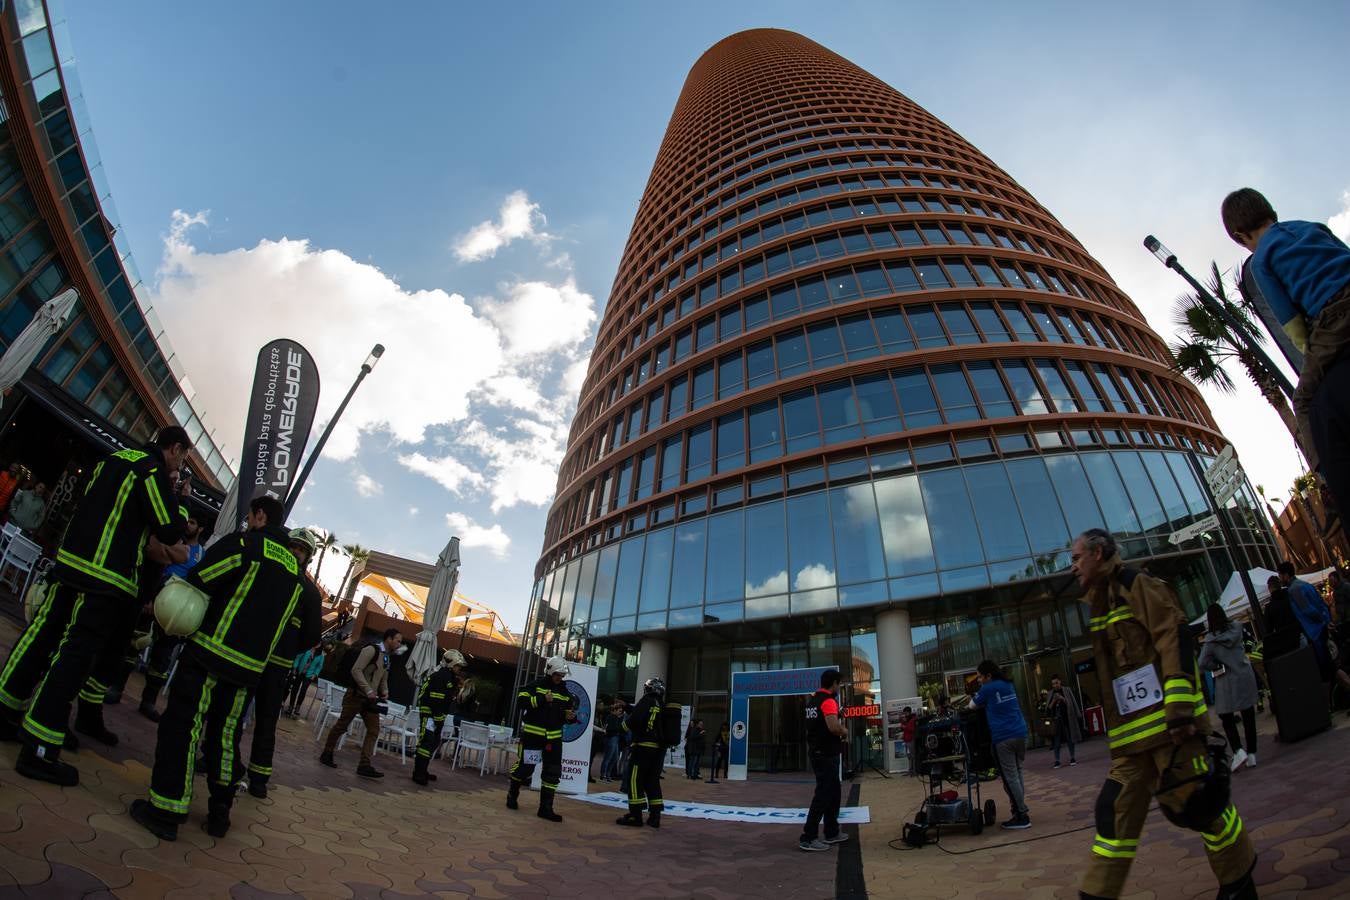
180	607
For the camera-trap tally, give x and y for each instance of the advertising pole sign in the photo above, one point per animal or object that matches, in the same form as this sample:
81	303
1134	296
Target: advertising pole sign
281	409
581	683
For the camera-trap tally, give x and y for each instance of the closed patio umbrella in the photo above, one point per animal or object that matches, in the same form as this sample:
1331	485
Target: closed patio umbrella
424	655
48	321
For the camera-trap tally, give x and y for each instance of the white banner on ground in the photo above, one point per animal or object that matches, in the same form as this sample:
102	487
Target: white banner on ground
581	683
765	815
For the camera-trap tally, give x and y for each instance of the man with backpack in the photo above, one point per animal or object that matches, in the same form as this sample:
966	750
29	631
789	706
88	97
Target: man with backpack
367	681
651	728
545	707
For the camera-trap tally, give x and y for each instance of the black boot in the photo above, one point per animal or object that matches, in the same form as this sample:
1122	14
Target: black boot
419	774
654	818
150	697
45	768
9	728
150	820
217	822
326	757
633	817
513	795
1242	889
89	722
257	786
546	806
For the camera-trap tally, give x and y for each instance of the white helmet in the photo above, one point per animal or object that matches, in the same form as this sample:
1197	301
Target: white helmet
453	658
556	665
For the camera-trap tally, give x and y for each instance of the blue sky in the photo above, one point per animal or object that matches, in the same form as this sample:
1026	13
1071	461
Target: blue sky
310	170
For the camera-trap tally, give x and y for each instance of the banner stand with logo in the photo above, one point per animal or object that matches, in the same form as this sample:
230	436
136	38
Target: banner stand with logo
581	683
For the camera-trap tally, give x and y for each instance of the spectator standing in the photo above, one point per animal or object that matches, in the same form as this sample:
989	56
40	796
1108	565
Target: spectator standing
370	688
307	667
825	735
1234	682
1065	715
94	586
1156	723
1303	271
908	723
29	507
1315	620
1008	731
10	479
695	745
613	736
721	743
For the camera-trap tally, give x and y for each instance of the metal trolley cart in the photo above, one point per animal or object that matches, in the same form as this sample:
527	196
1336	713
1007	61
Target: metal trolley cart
954	750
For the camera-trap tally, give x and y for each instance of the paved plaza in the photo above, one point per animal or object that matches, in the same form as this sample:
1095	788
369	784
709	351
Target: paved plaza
326	833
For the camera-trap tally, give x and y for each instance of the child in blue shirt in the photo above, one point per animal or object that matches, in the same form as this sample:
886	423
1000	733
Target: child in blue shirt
1304	272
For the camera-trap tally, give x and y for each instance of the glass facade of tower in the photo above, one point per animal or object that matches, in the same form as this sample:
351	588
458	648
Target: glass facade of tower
848	363
110	377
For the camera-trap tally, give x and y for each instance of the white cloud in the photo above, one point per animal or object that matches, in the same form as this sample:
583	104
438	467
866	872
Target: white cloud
446	471
774	584
517	218
412	510
538	317
524	457
367	486
1340	223
816	575
494	539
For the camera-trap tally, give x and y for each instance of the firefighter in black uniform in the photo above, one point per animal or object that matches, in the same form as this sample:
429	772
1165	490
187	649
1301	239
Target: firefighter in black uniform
93	593
642	781
545	710
301	631
255	585
434	702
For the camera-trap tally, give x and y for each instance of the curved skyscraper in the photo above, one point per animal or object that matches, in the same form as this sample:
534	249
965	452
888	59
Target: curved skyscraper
853	393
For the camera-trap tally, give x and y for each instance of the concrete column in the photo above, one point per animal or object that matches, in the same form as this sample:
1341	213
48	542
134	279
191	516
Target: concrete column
654	659
895	652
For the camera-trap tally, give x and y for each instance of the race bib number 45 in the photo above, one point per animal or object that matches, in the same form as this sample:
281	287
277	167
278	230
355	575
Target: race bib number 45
1137	690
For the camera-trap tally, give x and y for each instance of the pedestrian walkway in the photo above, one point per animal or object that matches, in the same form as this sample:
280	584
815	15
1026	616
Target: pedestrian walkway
327	833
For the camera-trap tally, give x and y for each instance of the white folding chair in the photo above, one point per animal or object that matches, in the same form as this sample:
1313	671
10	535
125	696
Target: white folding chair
500	742
449	735
394	727
329	712
7	531
20	555
472	737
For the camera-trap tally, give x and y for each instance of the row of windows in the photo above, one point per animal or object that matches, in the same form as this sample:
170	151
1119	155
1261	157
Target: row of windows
884	331
877	405
897	538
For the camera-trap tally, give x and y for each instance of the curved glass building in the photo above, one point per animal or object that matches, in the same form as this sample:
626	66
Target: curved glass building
853	393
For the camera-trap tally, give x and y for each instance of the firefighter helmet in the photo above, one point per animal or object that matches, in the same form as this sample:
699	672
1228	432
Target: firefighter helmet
180	607
654	685
305	538
556	665
1210	798
453	658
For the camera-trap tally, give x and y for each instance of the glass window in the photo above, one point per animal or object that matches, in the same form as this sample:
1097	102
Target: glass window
801	424
679	395
756	311
670	461
859	339
726	558
877	405
1021	325
791	348
1185	476
627	582
826	348
812	292
856	242
916	398
903	279
605	574
688	560
656	571
646	472
904	526
1011	275
838	412
992	326
703	386
950	519
1086	389
843	286
684	342
893	330
1075	493
960	275
729	375
957	402
926	327
730	442
857	534
623	494
810	550
931	274
958	323
1173	502
1044	521
1113	396
699	463
873	281
987	274
1070	327
706	333
729	323
996	511
766	438
759	363
1046	322
989	387
765	550
1145	499
1111	494
1055	384
783	299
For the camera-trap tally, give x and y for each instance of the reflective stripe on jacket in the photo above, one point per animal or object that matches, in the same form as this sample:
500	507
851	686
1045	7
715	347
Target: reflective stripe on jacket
1135	622
544	709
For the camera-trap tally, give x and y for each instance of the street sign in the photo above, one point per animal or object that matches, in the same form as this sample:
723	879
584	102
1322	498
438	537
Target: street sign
1224	476
1195	529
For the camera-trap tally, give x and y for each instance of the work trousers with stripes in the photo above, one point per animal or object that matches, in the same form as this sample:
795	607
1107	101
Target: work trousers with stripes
202	711
428	742
54	656
1123	805
550	758
110	666
268	698
642	781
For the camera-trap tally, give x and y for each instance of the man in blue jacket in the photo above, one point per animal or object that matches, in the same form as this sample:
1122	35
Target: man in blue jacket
1008	730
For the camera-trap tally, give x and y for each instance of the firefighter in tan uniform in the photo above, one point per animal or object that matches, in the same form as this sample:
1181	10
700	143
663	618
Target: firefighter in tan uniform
1156	726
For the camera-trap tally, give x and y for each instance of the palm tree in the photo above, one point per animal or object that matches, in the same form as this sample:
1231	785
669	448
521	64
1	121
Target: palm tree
1207	343
355	554
328	540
